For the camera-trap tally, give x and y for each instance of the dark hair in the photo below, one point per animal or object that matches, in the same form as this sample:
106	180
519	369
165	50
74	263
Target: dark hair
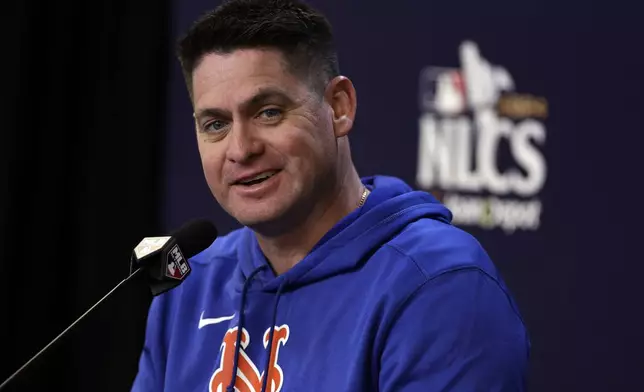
301	33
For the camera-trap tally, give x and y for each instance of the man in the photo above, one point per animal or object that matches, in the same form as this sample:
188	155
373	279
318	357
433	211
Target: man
336	283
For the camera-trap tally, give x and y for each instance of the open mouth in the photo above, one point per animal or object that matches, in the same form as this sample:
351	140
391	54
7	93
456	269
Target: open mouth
257	179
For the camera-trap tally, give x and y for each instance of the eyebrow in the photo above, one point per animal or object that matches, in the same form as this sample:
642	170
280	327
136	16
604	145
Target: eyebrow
262	95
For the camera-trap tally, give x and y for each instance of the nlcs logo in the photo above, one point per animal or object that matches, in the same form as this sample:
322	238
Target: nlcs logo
248	378
481	144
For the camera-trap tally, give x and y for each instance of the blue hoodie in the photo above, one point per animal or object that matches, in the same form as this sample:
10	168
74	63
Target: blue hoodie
393	298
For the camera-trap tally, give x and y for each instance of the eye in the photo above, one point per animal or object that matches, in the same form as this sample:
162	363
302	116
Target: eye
214	126
270	114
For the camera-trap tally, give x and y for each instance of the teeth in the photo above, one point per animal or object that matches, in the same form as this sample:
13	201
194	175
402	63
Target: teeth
260	176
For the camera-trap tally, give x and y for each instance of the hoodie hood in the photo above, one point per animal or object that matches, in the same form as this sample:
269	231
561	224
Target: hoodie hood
390	207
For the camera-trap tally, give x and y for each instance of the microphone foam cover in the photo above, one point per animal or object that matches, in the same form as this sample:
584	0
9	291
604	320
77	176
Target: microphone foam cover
195	236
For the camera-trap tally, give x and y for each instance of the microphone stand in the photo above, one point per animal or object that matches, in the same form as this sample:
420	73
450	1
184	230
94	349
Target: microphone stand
8	380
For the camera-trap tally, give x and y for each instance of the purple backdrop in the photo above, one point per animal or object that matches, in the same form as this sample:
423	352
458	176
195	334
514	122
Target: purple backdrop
526	120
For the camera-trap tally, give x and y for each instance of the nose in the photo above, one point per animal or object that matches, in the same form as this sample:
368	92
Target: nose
243	145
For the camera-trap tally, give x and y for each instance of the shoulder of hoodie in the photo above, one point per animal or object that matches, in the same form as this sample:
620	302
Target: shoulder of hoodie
429	249
434	248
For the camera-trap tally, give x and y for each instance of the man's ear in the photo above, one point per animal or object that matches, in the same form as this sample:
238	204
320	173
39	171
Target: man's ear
341	96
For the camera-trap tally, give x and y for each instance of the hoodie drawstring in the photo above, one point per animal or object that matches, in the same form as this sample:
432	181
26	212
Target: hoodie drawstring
270	336
240	327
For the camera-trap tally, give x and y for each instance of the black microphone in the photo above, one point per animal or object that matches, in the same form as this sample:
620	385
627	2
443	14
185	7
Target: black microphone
165	261
165	258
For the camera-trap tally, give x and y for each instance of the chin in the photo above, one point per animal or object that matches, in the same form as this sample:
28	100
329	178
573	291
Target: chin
267	222
252	217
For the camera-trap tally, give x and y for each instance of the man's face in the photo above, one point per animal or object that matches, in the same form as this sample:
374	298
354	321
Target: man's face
266	139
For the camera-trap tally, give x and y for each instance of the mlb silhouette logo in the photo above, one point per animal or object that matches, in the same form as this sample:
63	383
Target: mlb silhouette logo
476	85
442	91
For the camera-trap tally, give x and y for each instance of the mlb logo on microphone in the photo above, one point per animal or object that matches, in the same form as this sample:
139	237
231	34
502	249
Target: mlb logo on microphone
177	267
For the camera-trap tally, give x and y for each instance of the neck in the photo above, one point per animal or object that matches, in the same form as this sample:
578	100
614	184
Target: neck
287	249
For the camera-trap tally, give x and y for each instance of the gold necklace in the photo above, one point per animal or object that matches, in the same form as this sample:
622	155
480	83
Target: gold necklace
365	193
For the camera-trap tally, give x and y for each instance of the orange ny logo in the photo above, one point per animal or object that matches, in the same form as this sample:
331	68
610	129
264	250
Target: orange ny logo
248	378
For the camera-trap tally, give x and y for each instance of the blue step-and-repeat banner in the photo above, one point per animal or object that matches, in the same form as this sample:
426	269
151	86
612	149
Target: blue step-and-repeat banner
525	118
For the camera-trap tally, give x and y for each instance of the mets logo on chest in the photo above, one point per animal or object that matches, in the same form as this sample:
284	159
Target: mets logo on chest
248	378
